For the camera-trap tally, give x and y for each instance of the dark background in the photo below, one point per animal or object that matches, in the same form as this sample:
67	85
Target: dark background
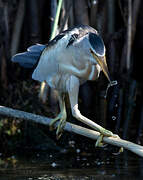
26	22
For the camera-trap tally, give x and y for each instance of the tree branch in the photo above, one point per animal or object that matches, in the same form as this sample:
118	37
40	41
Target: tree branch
137	149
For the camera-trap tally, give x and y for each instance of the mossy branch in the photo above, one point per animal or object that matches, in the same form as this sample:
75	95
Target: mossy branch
137	149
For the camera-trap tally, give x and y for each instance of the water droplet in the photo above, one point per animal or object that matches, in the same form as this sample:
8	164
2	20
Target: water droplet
115	96
87	164
94	2
78	150
40	178
113	118
53	164
78	158
72	143
98	163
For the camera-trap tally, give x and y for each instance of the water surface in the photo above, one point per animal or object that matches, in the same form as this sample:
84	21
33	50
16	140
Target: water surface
100	164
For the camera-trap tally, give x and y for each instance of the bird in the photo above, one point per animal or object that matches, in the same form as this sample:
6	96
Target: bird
73	57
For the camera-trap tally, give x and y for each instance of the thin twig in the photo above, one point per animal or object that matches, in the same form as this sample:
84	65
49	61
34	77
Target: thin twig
17	27
65	14
122	12
135	13
129	34
130	106
137	149
55	25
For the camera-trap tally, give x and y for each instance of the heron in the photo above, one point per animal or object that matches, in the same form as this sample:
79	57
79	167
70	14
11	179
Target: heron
73	57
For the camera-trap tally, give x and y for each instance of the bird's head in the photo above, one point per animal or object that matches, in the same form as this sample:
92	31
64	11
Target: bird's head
98	52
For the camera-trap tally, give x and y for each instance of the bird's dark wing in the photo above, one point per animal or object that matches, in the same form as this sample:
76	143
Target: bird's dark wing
72	39
82	31
29	59
76	31
55	40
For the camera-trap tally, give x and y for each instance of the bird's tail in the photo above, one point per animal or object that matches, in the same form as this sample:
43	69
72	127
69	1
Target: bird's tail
29	58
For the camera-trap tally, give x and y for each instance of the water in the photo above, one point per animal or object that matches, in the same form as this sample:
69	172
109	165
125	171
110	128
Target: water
112	83
113	118
101	164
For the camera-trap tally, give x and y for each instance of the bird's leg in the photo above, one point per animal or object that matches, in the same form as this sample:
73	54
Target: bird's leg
73	89
61	116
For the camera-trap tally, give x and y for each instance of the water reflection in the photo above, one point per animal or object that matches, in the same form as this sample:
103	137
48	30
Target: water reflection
79	165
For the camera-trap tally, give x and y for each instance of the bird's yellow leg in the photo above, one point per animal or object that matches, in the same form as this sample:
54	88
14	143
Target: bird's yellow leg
108	133
62	123
99	141
61	117
73	89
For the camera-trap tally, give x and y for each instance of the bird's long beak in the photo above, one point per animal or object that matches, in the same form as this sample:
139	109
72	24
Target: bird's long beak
102	62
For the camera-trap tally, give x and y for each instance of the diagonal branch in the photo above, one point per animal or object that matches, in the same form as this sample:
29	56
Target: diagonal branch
137	149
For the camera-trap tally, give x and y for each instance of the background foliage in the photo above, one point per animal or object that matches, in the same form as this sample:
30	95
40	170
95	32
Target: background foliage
26	22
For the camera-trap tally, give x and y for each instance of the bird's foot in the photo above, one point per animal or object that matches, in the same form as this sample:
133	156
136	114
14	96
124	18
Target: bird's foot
99	142
62	122
108	133
104	132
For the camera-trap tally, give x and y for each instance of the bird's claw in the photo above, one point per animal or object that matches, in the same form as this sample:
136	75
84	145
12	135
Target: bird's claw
99	142
60	127
61	124
104	132
53	121
108	133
